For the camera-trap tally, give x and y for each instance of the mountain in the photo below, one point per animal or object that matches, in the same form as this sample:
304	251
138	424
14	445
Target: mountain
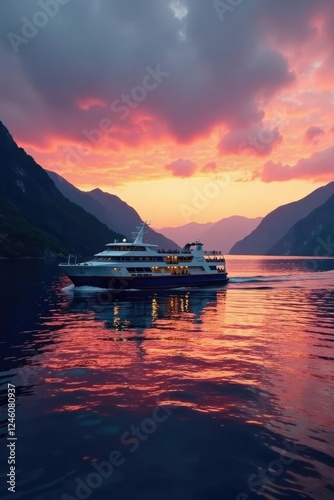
278	222
313	235
110	210
220	235
224	233
36	220
186	233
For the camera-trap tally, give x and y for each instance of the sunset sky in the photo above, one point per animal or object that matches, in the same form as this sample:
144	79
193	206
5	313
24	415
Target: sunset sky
189	110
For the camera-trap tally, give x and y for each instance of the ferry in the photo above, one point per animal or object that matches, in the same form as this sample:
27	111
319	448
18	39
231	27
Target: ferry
142	266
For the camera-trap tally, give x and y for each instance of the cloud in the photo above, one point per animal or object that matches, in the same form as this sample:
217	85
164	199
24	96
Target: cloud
313	134
255	140
211	166
65	80
182	168
319	166
98	52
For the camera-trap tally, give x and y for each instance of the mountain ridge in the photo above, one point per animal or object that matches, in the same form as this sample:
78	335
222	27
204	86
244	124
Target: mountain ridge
36	220
279	221
310	236
109	209
219	235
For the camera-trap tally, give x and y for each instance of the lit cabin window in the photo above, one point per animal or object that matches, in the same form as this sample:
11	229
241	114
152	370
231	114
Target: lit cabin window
125	248
117	269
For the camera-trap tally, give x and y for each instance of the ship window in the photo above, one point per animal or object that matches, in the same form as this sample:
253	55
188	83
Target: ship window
139	269
125	248
117	269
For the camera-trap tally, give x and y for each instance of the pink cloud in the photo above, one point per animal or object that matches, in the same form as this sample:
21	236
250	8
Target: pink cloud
211	166
313	134
182	168
255	140
319	166
90	102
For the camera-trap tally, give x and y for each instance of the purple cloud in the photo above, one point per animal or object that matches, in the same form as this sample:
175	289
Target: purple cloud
313	134
256	140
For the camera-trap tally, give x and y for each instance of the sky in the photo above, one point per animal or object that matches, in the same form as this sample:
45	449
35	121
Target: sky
189	110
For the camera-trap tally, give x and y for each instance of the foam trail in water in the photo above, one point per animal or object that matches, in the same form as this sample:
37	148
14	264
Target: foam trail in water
83	289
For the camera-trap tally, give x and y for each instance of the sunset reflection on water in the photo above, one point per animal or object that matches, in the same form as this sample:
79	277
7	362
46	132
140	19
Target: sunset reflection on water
245	368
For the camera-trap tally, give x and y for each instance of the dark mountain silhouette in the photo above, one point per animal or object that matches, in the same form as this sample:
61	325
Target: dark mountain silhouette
220	235
110	210
36	220
278	222
312	236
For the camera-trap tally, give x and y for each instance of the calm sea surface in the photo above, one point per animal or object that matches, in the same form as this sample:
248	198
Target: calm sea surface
187	394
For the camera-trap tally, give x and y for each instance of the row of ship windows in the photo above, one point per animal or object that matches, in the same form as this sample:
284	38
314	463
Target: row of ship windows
131	259
125	248
146	259
175	259
139	269
169	269
155	269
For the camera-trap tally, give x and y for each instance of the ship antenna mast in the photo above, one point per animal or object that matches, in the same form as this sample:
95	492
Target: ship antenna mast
141	231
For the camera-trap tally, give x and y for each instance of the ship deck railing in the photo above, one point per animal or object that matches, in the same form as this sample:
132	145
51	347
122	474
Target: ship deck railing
173	251
207	252
214	256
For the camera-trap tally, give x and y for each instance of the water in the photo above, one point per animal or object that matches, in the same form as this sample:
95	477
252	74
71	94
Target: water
187	394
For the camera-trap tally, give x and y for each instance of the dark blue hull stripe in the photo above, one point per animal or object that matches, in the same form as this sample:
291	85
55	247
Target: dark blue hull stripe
150	282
